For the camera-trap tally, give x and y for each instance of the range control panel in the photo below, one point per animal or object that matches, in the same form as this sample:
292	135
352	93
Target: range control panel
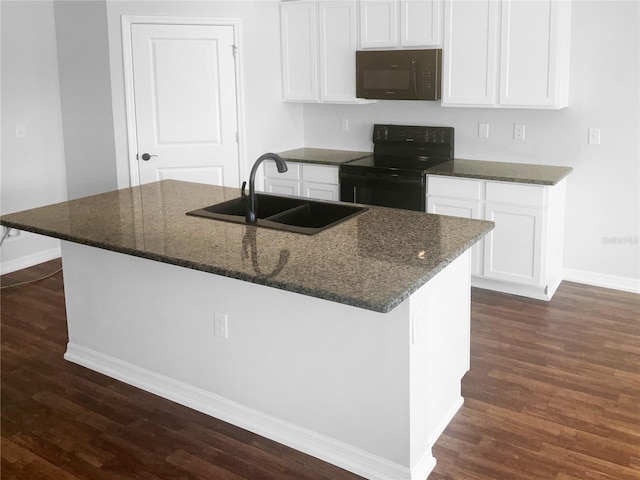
412	134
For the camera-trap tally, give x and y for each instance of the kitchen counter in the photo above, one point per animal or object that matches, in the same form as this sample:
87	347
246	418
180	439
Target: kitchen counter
480	169
355	357
501	171
322	156
373	261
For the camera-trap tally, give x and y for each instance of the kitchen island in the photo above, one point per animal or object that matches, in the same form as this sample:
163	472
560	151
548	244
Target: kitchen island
348	345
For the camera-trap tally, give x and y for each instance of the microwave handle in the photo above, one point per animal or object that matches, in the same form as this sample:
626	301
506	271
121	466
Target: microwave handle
415	78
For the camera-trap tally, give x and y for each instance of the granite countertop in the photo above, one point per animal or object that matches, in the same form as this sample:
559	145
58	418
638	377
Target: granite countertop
322	156
373	261
501	171
480	169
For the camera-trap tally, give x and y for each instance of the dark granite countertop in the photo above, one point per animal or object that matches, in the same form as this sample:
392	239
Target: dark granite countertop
373	261
502	171
480	169
322	156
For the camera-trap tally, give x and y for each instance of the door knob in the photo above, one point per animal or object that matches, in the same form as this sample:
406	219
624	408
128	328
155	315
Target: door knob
146	157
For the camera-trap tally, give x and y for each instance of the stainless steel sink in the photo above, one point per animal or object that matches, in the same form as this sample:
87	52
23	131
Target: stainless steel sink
291	214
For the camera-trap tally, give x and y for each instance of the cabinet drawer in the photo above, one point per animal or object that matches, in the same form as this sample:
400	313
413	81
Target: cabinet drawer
516	194
454	187
320	174
293	172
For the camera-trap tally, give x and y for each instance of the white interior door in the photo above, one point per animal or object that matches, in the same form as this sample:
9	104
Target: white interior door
185	103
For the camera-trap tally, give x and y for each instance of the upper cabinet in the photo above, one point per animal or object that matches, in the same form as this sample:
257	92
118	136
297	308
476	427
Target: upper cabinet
400	23
513	53
319	41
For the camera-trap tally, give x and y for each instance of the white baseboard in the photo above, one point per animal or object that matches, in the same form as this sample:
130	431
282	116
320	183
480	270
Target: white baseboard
29	260
615	282
325	448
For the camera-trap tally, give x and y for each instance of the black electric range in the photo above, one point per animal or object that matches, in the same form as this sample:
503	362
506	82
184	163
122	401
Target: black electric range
395	175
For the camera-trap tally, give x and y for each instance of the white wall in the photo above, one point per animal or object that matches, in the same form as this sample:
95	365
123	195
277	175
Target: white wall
32	168
83	60
603	195
270	124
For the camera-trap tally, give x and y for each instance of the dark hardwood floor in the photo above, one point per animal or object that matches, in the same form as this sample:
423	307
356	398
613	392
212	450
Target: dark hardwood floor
553	393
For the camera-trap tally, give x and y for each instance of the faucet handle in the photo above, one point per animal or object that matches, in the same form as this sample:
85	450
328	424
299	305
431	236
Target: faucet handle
244	185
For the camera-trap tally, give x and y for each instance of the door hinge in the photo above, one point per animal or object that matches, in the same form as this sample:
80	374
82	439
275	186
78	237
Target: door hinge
234	49
237	137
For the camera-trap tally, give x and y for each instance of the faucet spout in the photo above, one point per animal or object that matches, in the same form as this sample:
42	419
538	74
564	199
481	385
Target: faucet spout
281	165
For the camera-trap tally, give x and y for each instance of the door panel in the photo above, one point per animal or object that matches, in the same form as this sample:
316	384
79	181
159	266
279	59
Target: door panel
185	102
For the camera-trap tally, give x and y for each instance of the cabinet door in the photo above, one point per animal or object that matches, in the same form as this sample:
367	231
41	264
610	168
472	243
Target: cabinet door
420	23
465	209
470	70
282	186
320	191
338	43
299	51
513	249
530	49
378	23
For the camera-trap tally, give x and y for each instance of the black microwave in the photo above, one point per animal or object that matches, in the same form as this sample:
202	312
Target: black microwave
399	74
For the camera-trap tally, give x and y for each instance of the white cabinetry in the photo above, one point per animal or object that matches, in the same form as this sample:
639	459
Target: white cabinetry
513	53
303	179
400	23
319	40
523	254
458	198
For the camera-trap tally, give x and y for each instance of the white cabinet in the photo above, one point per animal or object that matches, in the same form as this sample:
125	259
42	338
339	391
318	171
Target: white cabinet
287	183
512	53
299	42
319	40
400	23
512	251
456	207
523	254
303	180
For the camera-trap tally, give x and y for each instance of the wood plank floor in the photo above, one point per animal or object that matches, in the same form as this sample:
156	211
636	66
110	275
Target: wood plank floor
553	393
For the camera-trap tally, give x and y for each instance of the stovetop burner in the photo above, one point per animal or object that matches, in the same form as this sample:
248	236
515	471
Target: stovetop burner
405	150
395	164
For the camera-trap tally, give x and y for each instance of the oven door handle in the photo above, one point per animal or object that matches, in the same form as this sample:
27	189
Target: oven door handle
392	178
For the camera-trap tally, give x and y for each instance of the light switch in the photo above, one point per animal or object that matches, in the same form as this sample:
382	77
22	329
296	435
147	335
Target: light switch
483	130
594	136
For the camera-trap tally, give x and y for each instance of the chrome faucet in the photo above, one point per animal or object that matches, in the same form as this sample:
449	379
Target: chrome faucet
282	167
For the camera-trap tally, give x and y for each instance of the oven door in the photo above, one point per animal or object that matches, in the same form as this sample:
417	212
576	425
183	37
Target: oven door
384	190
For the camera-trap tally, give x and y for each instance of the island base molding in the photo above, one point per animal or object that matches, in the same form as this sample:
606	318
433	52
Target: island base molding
531	291
365	391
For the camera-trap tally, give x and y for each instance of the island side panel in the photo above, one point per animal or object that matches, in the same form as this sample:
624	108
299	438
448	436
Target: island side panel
291	363
440	349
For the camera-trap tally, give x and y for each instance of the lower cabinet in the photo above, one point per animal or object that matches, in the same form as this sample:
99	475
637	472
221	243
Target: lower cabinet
523	254
304	180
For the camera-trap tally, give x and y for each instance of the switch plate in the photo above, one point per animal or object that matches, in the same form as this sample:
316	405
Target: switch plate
518	132
21	130
344	124
220	325
483	130
594	136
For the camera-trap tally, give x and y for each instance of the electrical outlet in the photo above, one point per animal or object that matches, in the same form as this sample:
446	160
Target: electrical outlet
483	130
220	325
344	124
518	132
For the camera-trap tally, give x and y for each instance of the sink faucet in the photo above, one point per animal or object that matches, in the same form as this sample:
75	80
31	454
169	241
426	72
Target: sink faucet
282	167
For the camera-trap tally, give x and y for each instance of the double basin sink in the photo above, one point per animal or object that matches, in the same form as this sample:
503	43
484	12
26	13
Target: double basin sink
290	214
